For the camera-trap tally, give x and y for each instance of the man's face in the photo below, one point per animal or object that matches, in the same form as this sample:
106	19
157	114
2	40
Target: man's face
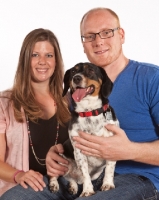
102	52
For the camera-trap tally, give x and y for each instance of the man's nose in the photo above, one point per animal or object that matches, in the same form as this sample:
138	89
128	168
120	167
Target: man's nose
98	40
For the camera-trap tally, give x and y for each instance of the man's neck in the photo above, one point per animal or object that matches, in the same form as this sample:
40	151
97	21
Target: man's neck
115	68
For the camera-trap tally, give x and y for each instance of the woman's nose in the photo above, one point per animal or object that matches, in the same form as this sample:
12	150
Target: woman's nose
42	60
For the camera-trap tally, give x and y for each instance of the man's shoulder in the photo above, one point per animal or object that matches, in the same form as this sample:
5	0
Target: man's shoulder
144	64
144	68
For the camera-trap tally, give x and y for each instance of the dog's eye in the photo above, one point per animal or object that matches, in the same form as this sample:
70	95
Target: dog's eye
73	72
90	72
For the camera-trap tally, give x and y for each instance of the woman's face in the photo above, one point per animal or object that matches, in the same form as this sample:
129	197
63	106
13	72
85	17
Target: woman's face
42	62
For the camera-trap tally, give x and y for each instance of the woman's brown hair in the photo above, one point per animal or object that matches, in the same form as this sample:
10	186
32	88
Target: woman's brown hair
22	92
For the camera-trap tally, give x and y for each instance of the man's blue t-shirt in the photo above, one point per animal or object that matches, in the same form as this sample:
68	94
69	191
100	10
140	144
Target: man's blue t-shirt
135	99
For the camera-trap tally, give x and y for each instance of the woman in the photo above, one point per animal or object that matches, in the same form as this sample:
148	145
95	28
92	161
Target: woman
33	114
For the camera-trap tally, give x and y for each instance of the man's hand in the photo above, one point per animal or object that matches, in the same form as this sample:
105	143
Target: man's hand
55	162
116	147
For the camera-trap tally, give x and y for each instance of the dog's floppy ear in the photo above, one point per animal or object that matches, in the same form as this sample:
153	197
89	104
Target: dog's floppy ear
66	82
107	84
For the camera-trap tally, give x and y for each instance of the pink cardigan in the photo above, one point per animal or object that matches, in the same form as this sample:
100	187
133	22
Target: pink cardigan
17	154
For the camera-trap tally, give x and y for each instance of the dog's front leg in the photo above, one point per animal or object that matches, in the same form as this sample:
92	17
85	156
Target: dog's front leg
82	164
73	187
108	181
54	186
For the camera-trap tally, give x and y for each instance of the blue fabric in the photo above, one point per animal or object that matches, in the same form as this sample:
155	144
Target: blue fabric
135	99
128	187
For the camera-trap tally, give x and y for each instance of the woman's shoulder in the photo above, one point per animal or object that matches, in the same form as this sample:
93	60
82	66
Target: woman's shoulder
5	93
5	96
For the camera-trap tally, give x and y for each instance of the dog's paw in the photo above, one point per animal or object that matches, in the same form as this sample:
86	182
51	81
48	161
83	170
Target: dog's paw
87	189
107	186
54	186
73	188
87	193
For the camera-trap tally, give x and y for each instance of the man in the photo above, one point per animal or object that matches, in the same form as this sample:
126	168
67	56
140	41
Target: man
135	99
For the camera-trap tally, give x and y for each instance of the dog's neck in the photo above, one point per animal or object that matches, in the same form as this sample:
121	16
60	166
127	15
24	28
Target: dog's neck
95	112
88	104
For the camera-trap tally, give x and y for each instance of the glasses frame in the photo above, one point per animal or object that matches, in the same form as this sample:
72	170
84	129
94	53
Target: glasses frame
112	30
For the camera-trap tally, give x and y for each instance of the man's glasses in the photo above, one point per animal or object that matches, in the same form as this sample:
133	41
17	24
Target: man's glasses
103	35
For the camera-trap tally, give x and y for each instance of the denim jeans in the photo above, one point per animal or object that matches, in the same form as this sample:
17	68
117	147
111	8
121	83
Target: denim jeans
127	187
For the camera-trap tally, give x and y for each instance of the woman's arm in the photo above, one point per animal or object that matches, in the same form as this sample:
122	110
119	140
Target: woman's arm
12	175
6	171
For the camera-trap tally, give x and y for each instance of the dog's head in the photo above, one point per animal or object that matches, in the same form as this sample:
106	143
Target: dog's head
87	79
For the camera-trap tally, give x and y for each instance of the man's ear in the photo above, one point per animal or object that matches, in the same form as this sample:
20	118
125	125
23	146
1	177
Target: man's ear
107	84
66	82
122	35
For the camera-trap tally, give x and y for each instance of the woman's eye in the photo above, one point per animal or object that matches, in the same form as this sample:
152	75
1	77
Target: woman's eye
49	55
34	55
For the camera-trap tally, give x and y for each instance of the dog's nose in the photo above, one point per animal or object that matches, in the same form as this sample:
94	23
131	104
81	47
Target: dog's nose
77	79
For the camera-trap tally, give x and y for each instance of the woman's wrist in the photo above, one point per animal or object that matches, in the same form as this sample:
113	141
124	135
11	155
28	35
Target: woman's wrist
15	174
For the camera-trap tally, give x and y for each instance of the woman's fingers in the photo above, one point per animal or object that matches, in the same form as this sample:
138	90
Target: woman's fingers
31	178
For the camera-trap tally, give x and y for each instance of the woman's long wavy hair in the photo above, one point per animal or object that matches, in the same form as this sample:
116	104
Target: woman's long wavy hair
22	94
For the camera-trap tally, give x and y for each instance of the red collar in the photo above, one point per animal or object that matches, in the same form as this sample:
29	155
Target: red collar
94	112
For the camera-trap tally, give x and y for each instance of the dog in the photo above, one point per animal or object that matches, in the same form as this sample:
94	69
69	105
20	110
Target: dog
89	87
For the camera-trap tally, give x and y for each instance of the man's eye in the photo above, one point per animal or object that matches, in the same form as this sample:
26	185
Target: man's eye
107	32
90	36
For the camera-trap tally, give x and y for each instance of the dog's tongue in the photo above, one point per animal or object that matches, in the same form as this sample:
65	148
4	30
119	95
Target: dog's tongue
79	94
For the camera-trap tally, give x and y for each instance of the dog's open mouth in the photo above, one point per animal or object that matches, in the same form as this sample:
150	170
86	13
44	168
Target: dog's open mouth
80	93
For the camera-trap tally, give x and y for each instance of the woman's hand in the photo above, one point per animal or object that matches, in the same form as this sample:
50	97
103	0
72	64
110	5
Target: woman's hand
32	178
55	163
116	147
